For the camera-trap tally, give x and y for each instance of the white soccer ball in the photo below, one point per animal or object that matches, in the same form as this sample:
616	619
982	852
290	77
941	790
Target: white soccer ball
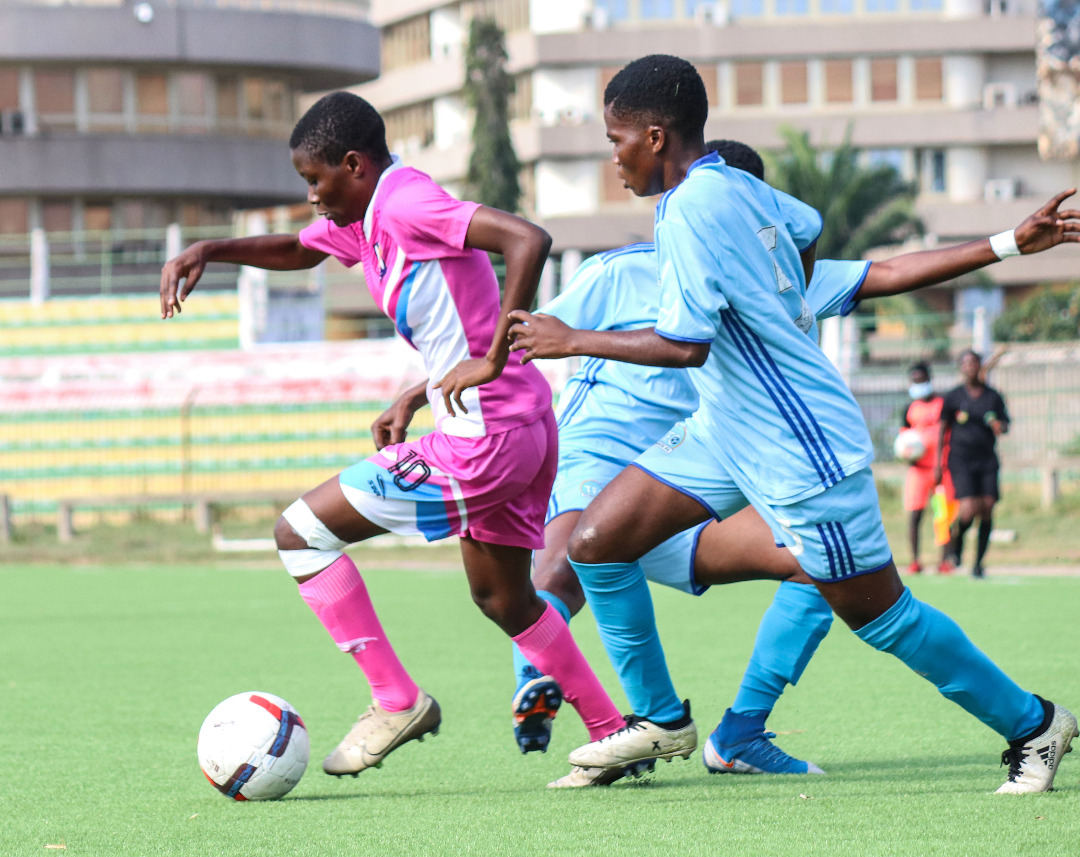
253	746
909	446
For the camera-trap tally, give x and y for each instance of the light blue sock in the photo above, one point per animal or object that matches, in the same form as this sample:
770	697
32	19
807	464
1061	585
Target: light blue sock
523	670
933	645
622	604
791	629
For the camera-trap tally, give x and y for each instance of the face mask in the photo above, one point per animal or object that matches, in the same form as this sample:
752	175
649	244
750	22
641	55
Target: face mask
920	391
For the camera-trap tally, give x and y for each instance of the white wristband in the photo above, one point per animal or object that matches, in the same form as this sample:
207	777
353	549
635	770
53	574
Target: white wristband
1004	244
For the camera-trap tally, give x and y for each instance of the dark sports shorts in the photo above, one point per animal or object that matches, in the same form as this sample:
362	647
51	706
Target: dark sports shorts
975	478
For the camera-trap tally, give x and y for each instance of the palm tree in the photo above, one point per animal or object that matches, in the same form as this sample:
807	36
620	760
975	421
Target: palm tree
862	207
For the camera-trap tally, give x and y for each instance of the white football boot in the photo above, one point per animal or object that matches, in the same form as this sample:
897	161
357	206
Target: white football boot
377	733
1033	763
639	741
580	777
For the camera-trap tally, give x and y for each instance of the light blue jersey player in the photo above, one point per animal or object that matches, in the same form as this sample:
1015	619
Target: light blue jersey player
775	424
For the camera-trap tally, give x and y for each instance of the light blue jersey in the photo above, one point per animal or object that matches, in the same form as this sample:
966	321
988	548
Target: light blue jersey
772	407
833	286
611	409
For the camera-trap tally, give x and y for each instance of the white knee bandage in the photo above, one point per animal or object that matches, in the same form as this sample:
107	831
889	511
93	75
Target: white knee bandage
304	562
324	547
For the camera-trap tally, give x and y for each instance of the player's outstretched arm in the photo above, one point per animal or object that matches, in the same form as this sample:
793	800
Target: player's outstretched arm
392	425
524	247
1046	228
545	336
274	252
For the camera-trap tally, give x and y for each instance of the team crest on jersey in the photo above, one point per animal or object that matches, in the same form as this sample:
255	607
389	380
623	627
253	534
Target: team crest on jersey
675	436
378	256
805	319
962	417
590	488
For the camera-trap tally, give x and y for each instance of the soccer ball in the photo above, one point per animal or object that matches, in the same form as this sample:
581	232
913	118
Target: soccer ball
253	746
909	446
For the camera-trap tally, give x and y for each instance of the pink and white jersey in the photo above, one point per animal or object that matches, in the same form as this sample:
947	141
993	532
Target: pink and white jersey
442	296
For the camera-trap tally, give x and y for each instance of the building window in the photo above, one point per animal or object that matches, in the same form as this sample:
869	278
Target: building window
151	102
105	99
708	77
882	5
521	102
747	8
510	15
54	99
657	9
890	157
749	84
613	10
792	7
837	7
9	89
57	216
228	104
937	171
883	80
410	128
928	79
406	43
925	5
14	216
793	86
839	82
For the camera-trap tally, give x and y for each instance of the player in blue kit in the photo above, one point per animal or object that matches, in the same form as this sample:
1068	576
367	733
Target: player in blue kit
775	427
609	412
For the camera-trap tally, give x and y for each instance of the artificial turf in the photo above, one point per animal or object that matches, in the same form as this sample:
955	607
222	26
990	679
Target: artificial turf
109	671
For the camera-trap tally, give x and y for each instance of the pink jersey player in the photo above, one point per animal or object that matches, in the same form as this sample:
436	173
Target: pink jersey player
486	471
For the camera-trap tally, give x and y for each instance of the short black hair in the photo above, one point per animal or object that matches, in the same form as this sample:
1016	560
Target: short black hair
660	89
973	353
339	123
740	156
920	367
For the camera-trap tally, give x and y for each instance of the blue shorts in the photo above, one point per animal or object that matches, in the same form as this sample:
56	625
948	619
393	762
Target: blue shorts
581	476
834	535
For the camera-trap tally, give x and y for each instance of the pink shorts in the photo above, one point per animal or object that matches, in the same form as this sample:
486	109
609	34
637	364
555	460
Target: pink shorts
919	485
493	489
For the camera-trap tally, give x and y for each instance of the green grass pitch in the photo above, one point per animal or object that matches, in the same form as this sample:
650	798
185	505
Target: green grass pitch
108	672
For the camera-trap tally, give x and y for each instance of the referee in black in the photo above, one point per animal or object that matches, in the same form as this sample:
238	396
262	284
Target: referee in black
972	418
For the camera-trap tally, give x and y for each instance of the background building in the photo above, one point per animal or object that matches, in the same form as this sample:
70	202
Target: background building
945	90
121	115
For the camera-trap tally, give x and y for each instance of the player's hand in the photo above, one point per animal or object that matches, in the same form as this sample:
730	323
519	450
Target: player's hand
188	266
539	336
468	373
392	425
1049	226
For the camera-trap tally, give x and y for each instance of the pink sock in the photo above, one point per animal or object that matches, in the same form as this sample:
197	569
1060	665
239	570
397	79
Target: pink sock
549	647
339	598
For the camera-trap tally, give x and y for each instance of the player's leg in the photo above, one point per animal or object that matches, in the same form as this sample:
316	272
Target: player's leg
499	581
988	488
840	542
967	495
915	496
537	697
310	536
739	548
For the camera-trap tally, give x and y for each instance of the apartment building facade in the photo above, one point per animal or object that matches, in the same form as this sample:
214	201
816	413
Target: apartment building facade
945	90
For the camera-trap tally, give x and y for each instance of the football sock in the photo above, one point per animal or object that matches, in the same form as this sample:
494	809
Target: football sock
985	526
523	670
791	629
338	596
736	728
549	645
620	600
933	645
958	537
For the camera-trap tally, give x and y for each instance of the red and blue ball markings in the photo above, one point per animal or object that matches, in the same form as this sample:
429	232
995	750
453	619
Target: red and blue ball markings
286	721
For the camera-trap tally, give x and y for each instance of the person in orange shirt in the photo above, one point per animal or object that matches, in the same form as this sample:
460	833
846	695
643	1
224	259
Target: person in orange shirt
924	415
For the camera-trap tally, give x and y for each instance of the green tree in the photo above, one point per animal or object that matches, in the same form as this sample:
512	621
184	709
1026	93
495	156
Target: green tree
862	207
492	176
1049	315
